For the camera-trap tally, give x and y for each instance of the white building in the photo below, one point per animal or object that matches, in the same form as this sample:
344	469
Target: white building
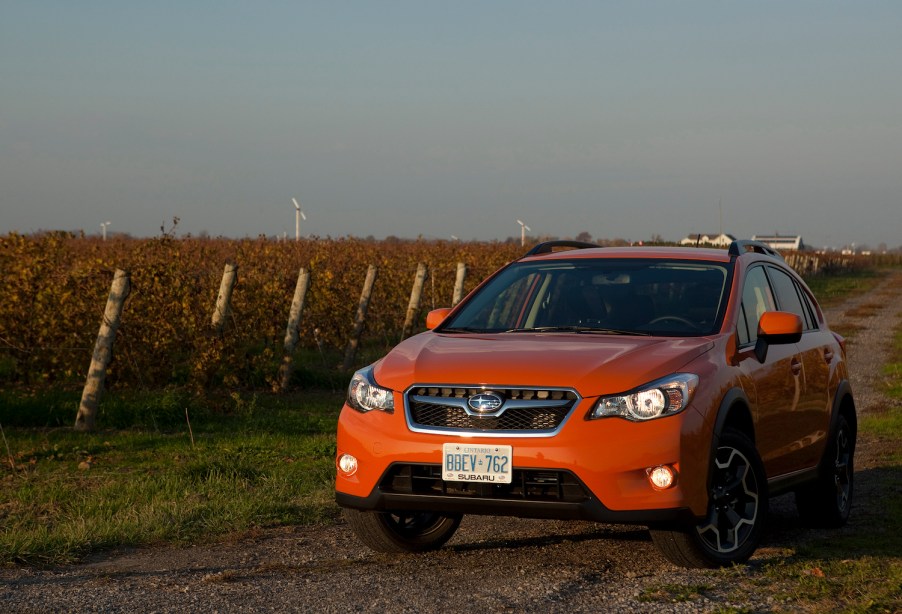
781	242
720	240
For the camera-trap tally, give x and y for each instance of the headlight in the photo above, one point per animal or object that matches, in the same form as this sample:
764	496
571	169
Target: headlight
660	398
364	395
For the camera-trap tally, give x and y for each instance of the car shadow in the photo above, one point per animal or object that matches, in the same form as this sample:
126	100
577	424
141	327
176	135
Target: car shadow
591	532
873	528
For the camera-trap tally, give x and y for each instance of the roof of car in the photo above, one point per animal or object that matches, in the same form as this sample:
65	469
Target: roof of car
681	253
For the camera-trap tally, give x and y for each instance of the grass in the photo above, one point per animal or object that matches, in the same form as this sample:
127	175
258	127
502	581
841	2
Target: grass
892	370
856	569
833	582
831	290
254	461
675	593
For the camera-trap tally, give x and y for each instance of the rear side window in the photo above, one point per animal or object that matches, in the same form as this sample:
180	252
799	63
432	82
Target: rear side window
757	298
809	305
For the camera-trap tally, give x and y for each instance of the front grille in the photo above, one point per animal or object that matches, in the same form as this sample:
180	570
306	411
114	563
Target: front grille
527	411
538	418
526	485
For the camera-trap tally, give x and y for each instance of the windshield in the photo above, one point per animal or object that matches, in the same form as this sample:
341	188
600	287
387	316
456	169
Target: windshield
635	296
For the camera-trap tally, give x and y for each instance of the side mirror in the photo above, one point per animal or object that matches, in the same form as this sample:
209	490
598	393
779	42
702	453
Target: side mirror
777	328
436	317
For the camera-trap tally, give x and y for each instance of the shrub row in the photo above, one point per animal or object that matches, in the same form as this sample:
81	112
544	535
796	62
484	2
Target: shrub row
53	289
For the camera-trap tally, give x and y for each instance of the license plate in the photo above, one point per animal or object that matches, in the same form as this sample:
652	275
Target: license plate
467	462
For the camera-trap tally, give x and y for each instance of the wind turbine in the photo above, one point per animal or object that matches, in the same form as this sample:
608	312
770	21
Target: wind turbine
523	229
103	226
298	216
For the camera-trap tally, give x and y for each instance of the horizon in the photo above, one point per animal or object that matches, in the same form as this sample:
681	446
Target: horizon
530	239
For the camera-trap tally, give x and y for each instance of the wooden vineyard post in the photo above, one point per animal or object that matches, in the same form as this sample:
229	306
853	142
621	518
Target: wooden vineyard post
459	284
360	320
224	300
103	352
414	305
292	332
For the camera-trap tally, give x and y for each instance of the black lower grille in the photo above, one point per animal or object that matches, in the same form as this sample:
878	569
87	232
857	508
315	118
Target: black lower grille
526	485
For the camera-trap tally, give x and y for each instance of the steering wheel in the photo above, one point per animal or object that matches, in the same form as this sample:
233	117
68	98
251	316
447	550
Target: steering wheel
684	321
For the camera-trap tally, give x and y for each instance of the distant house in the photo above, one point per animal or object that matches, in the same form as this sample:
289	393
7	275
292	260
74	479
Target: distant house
720	240
781	242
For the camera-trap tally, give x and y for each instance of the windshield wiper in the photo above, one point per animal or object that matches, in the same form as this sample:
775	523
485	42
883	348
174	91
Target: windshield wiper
461	329
577	329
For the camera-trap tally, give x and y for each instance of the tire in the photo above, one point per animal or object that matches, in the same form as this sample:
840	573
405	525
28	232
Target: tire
737	510
399	532
827	502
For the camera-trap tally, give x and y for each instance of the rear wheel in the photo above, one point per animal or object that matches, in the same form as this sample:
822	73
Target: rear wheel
396	532
826	502
737	510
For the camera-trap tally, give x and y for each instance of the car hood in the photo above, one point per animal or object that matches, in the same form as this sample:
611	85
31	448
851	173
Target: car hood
592	364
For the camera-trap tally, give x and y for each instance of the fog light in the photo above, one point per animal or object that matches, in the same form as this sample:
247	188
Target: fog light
661	477
347	464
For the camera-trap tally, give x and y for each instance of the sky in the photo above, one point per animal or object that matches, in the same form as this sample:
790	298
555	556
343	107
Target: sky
419	118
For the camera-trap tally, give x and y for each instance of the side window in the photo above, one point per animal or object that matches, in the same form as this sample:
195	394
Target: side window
788	295
811	323
756	299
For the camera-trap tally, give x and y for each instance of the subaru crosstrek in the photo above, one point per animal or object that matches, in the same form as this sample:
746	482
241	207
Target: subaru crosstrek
676	388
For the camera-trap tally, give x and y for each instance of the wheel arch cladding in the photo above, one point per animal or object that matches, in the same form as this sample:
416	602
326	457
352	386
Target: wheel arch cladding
844	405
734	411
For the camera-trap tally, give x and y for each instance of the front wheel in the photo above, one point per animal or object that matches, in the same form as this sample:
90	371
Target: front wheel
398	532
737	510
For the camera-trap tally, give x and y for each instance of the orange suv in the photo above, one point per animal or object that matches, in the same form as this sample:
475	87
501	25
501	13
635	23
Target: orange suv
676	388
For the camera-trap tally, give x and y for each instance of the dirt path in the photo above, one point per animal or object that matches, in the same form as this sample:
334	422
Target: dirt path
492	564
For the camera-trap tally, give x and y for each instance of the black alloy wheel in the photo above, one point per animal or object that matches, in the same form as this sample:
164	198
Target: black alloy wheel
396	532
828	501
737	510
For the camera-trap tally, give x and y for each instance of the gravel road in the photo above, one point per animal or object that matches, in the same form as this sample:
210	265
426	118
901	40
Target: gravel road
491	564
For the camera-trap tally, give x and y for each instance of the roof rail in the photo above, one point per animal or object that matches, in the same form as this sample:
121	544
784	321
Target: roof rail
548	246
737	248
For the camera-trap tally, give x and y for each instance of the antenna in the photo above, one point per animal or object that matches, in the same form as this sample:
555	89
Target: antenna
103	226
720	211
298	216
523	229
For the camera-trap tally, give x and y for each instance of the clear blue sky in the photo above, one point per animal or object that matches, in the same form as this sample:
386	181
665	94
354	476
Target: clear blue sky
407	118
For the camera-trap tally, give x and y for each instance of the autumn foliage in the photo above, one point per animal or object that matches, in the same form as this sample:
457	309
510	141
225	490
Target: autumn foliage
54	286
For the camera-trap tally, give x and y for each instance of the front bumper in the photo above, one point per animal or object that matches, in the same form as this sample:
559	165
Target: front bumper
485	499
605	459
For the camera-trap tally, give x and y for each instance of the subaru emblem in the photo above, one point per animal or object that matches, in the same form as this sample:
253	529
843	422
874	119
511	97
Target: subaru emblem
485	402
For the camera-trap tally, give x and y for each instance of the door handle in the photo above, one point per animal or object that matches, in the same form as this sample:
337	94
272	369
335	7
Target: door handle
828	355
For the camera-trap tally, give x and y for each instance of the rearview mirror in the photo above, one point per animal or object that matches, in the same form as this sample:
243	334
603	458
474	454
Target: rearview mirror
777	328
436	317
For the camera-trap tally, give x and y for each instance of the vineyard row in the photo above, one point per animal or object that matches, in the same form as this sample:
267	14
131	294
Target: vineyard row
53	289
